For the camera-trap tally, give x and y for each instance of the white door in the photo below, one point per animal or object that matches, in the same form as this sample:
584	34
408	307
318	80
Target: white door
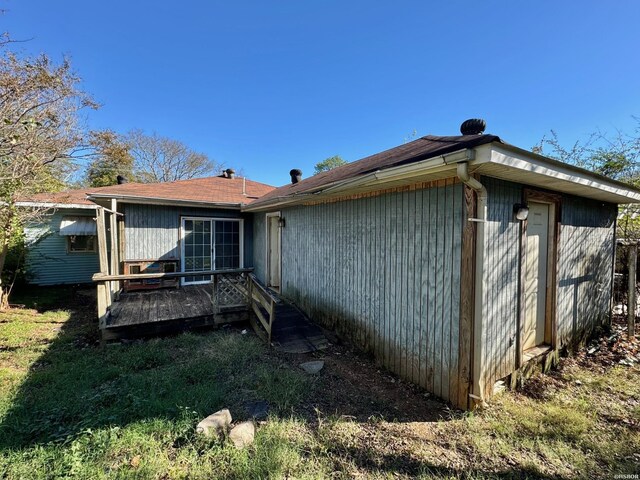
273	251
535	278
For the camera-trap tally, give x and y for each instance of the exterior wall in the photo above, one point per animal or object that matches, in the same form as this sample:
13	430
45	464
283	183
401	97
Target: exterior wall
501	279
47	260
586	252
584	273
384	272
152	232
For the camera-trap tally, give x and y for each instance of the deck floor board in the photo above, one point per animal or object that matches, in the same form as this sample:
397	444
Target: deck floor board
135	308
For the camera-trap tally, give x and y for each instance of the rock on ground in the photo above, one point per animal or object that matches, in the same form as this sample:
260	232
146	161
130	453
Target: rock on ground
242	435
312	367
216	424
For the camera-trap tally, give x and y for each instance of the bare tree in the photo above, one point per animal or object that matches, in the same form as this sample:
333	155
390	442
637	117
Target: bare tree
39	132
161	159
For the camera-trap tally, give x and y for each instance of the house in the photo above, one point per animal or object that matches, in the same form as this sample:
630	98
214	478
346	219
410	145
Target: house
61	243
456	261
153	220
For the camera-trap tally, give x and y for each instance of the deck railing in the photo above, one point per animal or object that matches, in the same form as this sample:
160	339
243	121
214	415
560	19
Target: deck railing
230	288
263	305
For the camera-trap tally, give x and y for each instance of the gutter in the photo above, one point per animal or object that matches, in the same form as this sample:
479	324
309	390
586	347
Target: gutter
370	180
477	386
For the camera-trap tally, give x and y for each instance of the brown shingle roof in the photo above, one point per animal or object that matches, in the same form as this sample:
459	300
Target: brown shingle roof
420	149
67	197
206	190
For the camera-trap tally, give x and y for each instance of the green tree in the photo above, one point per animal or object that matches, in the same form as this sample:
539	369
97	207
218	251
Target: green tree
39	137
111	156
329	164
616	156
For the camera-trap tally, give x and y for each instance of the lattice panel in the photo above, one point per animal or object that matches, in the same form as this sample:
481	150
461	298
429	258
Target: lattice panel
230	289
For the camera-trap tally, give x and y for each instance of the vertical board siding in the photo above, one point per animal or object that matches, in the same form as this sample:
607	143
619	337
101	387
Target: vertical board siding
384	271
47	260
153	231
584	272
501	280
260	246
584	265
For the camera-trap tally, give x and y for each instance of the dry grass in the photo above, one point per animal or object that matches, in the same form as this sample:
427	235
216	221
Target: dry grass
71	409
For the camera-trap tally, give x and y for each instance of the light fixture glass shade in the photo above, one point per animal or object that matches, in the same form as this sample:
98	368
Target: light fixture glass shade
521	211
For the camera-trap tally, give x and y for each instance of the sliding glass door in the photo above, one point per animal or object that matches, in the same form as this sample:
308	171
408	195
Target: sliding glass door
210	244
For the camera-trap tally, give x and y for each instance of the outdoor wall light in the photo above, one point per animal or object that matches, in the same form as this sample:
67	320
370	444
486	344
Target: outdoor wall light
281	222
521	211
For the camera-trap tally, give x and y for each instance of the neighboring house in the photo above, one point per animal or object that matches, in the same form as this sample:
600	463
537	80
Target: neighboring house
61	245
153	219
421	256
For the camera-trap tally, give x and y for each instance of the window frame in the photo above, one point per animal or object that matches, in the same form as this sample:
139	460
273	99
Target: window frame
70	251
212	220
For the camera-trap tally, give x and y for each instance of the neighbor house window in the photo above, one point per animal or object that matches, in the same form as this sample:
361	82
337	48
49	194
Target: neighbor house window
81	243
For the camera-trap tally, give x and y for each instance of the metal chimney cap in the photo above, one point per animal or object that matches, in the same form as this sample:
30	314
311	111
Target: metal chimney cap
473	126
120	179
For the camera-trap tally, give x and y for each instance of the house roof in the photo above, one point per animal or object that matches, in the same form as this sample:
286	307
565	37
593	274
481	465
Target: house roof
435	157
420	149
209	190
69	198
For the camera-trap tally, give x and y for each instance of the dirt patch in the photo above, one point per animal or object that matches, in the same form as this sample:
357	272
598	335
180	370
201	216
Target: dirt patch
351	385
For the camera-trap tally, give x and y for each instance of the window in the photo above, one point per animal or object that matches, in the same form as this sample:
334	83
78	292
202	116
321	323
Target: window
210	244
81	243
227	244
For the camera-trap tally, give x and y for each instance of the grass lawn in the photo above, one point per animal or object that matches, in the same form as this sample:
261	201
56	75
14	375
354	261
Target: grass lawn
69	408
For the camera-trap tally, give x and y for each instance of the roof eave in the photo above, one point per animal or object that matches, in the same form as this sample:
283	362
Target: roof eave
515	164
56	205
97	197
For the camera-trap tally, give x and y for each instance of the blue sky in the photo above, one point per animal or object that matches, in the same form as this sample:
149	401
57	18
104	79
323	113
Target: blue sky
270	86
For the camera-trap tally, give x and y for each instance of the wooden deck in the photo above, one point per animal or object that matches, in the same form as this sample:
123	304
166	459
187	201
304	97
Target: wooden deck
164	310
153	312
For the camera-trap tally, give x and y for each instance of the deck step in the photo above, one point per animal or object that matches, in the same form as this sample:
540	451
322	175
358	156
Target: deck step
294	332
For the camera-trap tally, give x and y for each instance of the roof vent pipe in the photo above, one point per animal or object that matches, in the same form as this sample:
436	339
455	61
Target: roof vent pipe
120	180
230	173
473	126
296	175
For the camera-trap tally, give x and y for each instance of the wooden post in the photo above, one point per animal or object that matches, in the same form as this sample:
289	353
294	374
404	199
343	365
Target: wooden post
104	294
249	291
115	260
272	315
631	310
214	296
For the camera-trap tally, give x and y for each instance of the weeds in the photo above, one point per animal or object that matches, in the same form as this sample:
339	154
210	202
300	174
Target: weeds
71	409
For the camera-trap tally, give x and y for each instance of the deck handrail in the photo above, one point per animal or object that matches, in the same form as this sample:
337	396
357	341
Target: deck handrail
264	291
261	297
98	277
